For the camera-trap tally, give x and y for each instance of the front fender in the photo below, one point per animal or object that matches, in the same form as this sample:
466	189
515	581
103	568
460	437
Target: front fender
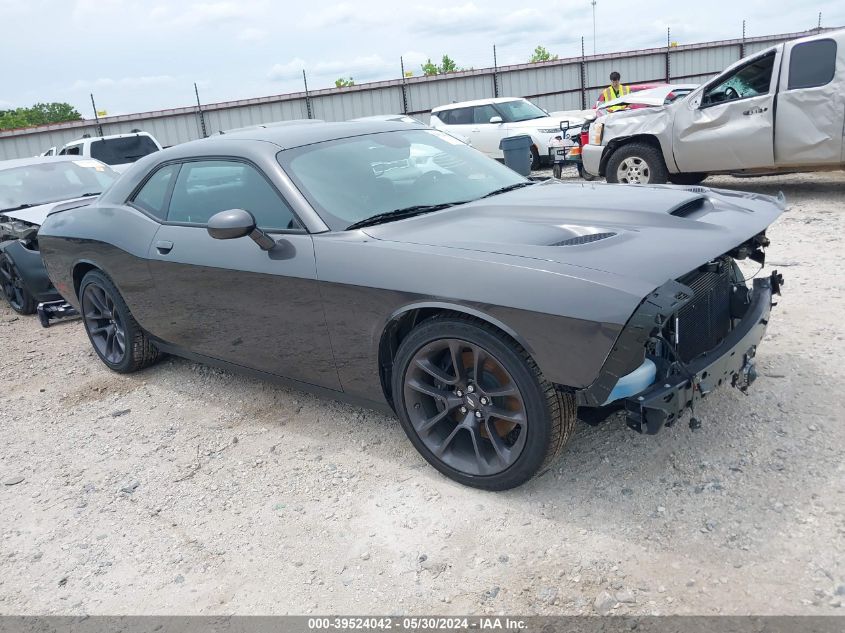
652	125
31	269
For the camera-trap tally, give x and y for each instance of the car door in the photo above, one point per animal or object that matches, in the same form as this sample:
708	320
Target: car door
484	135
810	115
729	124
229	299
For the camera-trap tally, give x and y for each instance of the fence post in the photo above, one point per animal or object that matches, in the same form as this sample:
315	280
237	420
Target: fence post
668	50
404	87
583	77
495	74
307	96
96	116
742	44
199	111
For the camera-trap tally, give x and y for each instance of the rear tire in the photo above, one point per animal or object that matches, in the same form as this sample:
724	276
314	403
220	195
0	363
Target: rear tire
16	293
637	164
687	179
508	422
112	330
535	159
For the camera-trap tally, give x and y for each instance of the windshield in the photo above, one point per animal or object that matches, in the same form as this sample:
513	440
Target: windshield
52	181
520	110
352	179
119	151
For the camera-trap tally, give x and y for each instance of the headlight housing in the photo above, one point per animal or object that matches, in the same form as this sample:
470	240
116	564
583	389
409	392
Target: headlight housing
596	131
548	130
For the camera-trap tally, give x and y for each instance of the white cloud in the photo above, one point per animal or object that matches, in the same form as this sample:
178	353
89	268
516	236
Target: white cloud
341	14
286	71
252	34
201	14
123	82
365	67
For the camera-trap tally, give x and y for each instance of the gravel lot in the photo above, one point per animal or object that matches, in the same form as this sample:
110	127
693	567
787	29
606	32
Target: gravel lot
185	489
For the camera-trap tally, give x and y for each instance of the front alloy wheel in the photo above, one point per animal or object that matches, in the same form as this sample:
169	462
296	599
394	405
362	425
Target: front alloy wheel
633	171
475	405
465	407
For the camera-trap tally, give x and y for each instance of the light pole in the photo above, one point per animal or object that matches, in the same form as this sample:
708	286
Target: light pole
593	2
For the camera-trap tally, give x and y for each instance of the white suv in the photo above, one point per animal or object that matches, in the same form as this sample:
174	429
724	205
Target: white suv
485	122
118	151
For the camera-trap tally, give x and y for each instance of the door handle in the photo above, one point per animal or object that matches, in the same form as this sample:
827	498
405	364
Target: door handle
476	130
756	110
164	246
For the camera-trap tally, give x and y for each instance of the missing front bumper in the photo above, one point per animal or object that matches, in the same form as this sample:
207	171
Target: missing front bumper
731	362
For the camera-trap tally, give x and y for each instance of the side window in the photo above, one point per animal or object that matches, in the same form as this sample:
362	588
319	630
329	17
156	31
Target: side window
152	197
204	188
445	116
812	64
483	114
751	80
73	150
462	116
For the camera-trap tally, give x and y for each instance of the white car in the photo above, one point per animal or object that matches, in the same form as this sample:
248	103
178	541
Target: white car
486	122
118	151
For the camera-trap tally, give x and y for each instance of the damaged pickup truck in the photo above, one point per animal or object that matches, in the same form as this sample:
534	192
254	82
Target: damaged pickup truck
30	189
778	110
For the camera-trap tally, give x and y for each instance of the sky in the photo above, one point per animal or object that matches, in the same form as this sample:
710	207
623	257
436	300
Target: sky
141	56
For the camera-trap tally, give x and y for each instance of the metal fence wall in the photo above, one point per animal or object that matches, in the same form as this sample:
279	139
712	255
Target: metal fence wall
565	84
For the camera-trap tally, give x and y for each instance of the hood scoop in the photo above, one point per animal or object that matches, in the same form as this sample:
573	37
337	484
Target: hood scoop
691	207
583	239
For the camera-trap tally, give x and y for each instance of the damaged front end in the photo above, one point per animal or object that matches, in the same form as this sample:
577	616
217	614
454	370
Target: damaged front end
690	336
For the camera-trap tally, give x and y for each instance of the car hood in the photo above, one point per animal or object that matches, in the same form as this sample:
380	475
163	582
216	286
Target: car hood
37	215
649	233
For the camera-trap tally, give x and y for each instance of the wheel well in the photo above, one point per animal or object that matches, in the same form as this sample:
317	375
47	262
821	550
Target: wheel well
398	328
616	143
79	271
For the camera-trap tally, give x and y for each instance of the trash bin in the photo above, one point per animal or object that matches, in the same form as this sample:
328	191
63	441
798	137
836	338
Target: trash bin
517	151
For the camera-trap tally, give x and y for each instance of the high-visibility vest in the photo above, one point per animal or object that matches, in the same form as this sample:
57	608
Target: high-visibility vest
610	94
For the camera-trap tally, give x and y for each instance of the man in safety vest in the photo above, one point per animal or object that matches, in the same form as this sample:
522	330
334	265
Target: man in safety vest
614	91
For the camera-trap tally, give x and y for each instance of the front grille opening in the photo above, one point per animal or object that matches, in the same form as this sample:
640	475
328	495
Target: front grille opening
705	321
583	239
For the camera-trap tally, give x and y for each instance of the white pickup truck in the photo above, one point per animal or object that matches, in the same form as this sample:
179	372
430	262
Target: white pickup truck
118	151
779	110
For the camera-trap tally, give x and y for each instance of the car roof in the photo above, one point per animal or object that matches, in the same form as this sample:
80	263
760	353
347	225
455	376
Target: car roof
106	138
298	134
464	104
37	160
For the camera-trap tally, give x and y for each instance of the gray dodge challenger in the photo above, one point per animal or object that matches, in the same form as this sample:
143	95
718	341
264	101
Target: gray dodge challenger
391	265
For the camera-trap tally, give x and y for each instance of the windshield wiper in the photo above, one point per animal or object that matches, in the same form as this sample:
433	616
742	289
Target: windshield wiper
496	192
401	214
88	195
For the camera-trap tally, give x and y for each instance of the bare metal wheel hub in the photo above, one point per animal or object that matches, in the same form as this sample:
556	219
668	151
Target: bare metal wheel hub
465	407
633	171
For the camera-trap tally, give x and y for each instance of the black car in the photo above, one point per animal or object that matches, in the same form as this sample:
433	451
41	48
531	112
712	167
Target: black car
389	264
31	188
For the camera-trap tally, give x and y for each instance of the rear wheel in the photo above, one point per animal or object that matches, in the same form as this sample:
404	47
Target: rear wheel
476	406
535	158
114	334
14	289
637	164
687	179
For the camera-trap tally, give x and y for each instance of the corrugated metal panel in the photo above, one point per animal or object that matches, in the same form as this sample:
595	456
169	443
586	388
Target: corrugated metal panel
553	85
703	61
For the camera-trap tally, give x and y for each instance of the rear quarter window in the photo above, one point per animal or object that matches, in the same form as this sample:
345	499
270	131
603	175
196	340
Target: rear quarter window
812	64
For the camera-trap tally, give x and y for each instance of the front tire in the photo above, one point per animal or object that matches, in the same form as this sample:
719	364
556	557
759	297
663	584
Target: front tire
114	333
476	406
14	289
637	164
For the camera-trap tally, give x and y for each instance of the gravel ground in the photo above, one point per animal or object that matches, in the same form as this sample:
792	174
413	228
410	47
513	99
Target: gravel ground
185	489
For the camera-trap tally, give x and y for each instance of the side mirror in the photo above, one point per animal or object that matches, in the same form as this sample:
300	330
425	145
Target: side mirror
564	125
234	223
495	119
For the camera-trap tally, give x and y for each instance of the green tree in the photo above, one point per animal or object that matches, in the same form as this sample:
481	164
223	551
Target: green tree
39	114
429	68
344	83
542	55
447	65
